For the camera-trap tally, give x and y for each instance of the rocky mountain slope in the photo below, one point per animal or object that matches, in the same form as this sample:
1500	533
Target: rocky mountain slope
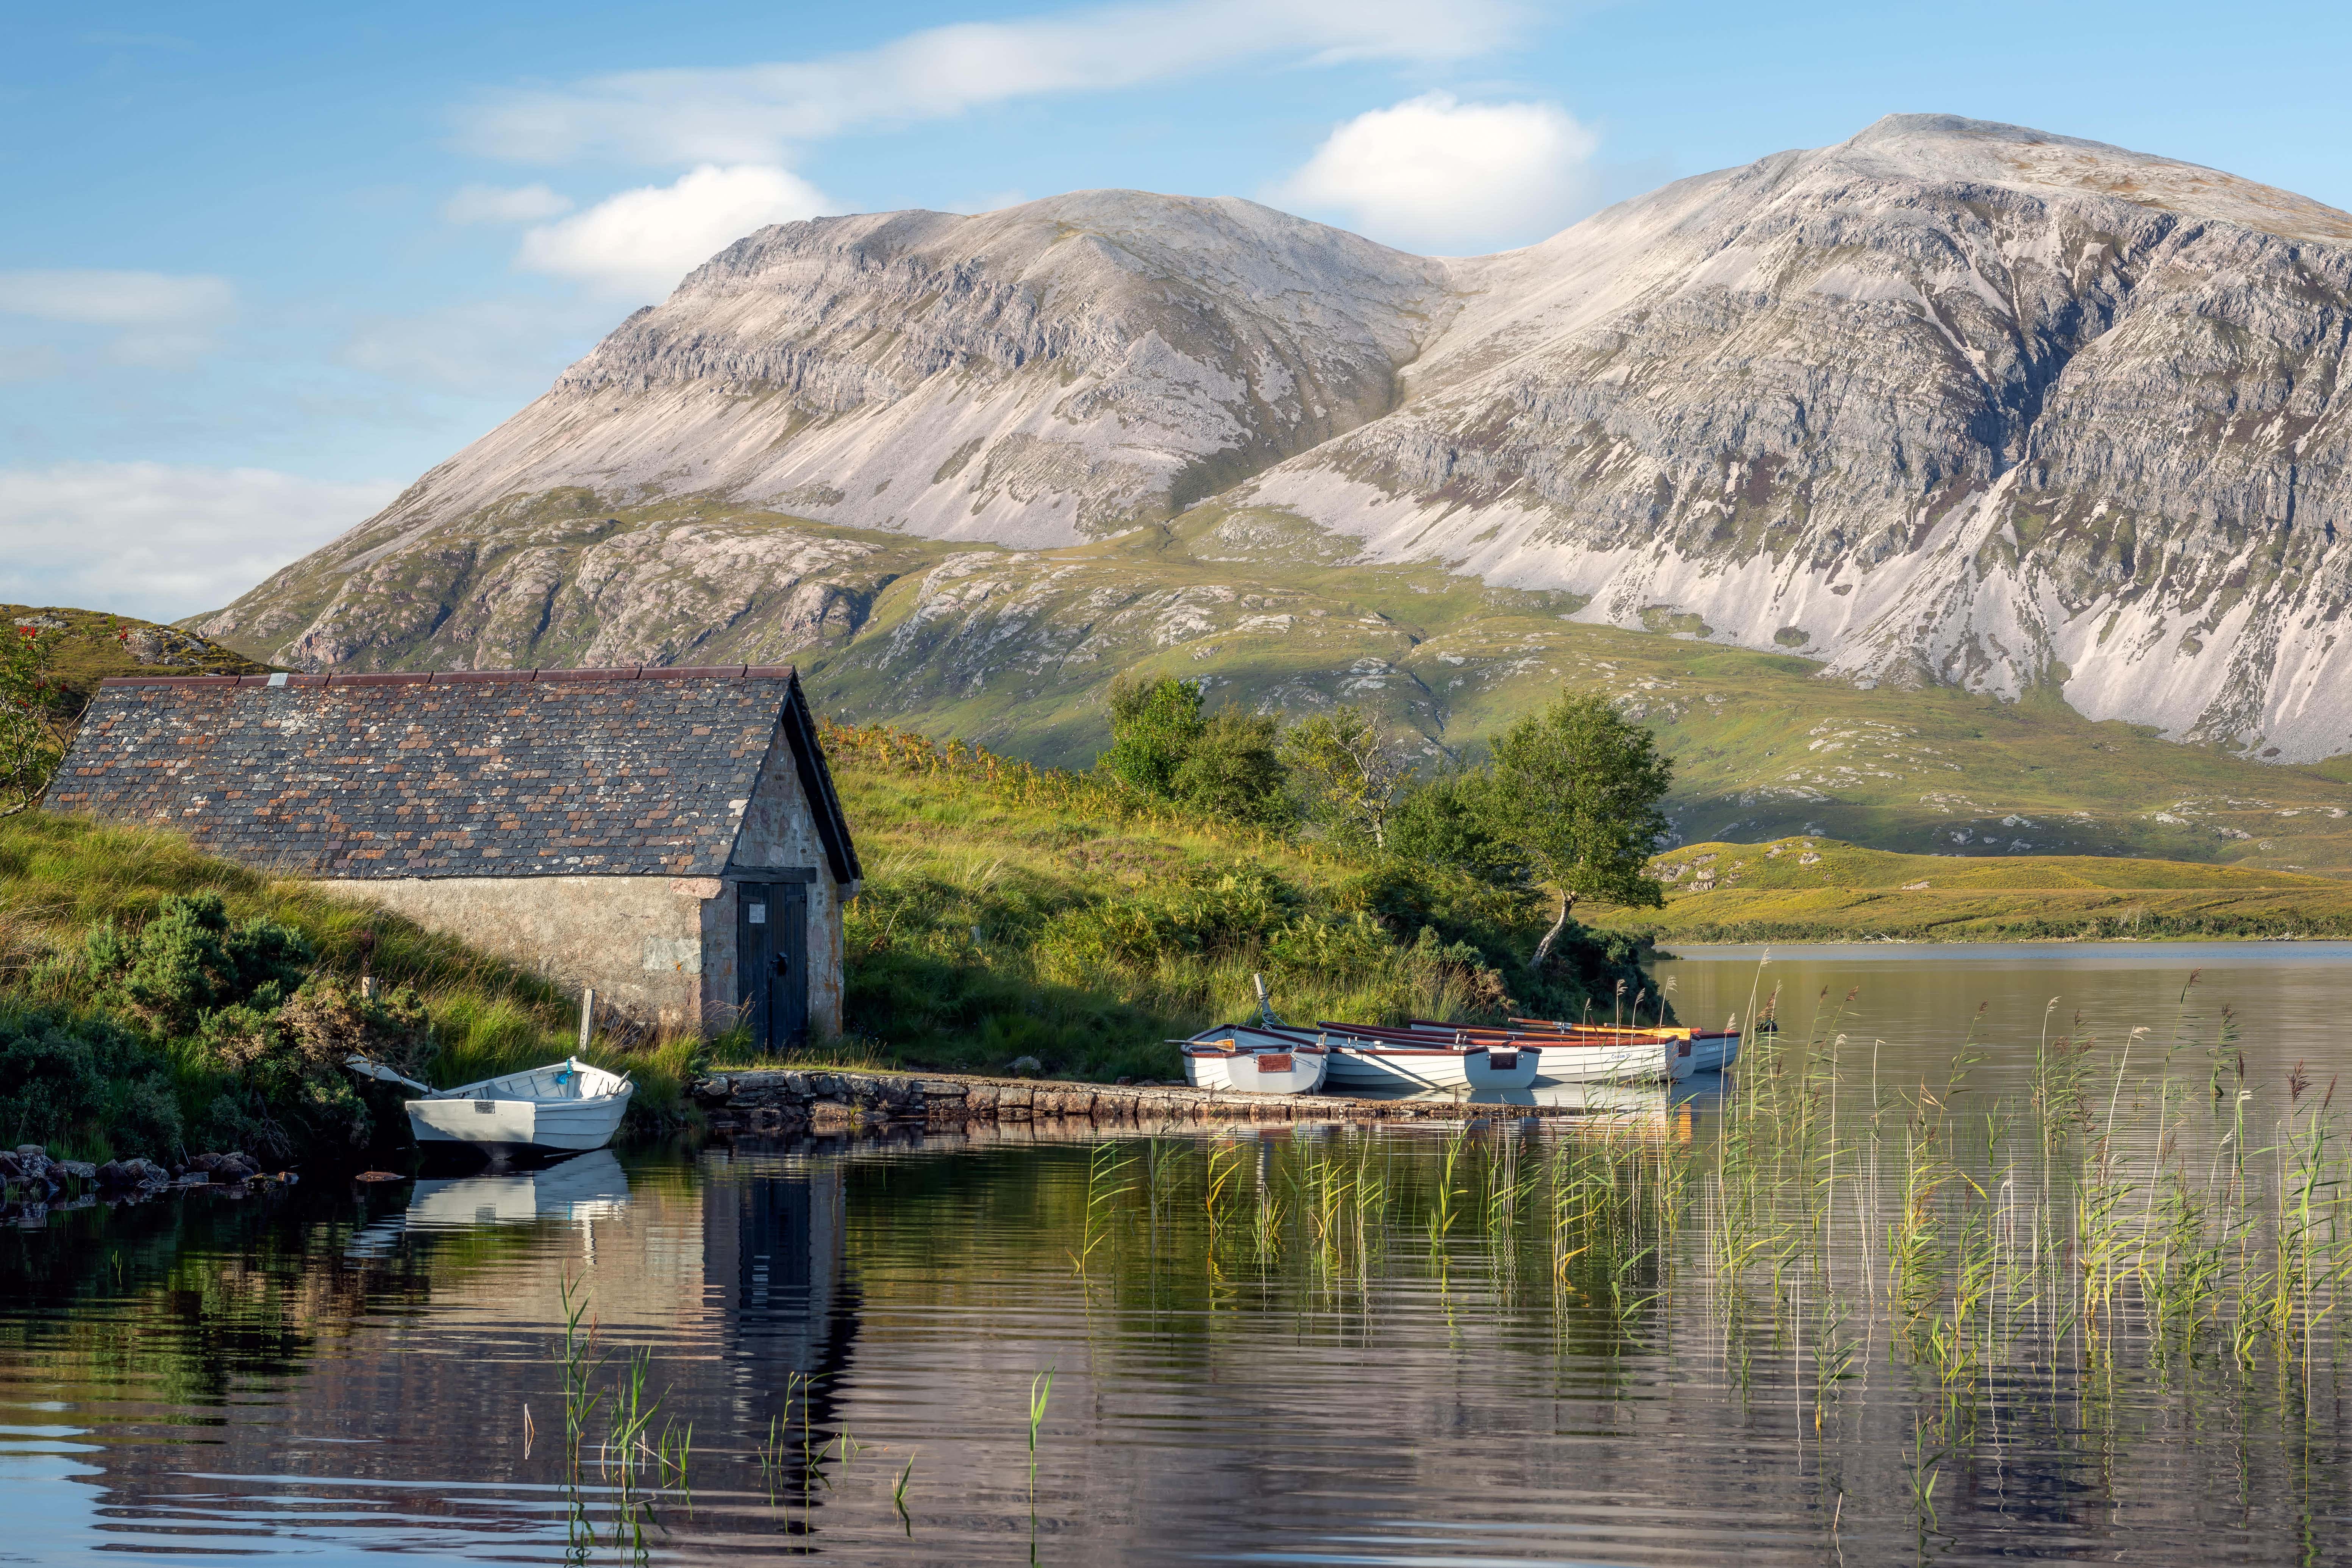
1948	404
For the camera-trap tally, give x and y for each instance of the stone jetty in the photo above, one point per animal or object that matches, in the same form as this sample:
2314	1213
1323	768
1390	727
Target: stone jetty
778	1101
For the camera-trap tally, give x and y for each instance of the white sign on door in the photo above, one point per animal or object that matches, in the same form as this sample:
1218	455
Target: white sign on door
758	914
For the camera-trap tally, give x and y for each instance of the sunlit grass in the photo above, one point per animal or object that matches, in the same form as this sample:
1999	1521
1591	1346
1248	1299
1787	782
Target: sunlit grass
61	877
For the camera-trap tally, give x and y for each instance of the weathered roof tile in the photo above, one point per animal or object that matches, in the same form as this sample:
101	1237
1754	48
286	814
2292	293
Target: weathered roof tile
328	776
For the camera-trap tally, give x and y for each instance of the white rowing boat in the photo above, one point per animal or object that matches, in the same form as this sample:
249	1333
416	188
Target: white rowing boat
565	1107
1627	1056
1254	1060
1394	1059
1711	1051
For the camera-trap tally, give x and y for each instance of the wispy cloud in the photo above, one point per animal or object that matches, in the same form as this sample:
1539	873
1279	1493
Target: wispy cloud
753	114
638	244
159	318
485	348
1437	173
494	204
161	540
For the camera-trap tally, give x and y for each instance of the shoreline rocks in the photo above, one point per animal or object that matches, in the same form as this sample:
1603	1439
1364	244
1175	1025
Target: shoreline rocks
32	1184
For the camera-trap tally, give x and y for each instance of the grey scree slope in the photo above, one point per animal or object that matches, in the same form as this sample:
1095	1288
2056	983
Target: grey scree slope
499	774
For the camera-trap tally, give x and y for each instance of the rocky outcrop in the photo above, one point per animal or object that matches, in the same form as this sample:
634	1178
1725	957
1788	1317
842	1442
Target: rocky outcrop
1948	402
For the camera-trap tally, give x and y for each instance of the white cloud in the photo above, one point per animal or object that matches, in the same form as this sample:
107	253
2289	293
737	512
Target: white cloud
117	299
159	317
750	114
494	204
640	242
1434	172
161	541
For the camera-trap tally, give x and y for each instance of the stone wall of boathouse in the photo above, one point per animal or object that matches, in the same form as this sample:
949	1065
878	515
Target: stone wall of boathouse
640	941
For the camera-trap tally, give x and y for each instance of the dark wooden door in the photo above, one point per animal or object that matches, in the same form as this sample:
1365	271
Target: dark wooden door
771	962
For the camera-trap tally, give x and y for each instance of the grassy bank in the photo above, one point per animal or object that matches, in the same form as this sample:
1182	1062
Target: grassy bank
1014	911
1818	889
110	1044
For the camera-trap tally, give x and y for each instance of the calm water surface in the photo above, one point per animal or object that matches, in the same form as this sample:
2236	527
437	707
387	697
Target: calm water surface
1655	1335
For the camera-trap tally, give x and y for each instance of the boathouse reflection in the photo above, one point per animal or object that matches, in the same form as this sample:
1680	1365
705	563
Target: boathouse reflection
773	1262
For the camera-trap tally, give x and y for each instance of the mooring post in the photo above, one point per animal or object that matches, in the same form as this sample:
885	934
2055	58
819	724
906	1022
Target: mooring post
587	1016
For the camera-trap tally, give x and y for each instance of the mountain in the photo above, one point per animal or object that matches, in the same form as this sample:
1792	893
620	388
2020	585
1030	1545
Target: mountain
1949	402
2045	426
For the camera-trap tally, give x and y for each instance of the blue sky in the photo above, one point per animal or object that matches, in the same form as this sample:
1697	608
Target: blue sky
267	263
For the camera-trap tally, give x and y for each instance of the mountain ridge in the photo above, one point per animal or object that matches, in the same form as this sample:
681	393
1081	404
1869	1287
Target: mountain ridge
1950	402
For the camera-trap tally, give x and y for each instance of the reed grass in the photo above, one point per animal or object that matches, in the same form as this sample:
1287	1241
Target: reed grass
1973	1259
1906	1272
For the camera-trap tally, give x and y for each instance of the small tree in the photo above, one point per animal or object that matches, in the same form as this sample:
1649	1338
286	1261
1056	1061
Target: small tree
1233	769
1153	728
1579	785
32	722
1456	819
1349	776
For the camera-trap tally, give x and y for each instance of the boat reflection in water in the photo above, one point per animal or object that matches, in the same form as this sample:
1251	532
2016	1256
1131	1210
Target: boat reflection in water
587	1187
1672	1108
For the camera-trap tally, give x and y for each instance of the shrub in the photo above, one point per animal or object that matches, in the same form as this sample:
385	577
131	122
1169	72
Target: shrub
1454	820
1205	912
1153	728
68	1077
285	1090
1349	776
1234	769
189	960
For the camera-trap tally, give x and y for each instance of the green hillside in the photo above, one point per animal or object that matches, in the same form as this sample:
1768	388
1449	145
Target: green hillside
154	998
1799	888
1011	911
1016	649
92	645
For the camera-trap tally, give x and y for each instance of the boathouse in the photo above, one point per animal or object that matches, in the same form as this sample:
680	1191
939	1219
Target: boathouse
668	836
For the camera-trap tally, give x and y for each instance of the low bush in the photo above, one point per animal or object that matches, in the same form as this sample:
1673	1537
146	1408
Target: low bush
191	961
81	1083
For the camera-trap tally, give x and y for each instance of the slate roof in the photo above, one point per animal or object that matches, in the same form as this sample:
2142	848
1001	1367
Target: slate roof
549	773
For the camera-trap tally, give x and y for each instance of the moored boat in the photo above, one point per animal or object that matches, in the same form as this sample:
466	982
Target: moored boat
1711	1051
1253	1059
1626	1057
565	1107
1368	1057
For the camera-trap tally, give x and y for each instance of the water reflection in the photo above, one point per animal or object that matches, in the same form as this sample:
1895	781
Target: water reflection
1871	1300
584	1188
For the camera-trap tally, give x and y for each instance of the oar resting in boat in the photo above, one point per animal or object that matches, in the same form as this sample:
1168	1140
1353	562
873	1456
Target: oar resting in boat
1369	1056
564	1108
